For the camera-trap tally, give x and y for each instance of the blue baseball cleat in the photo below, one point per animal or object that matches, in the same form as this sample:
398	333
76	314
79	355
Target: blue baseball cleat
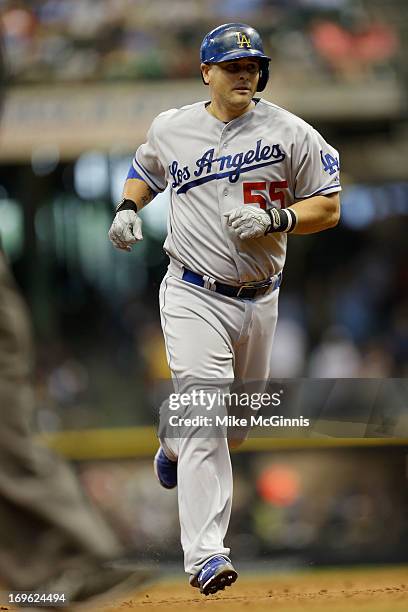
165	470
216	574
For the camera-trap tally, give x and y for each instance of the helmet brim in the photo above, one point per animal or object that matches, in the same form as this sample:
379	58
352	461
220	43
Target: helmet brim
238	54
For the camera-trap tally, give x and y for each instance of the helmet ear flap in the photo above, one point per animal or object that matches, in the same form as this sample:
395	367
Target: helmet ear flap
263	76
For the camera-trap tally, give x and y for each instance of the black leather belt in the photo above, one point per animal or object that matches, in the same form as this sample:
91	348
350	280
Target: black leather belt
247	291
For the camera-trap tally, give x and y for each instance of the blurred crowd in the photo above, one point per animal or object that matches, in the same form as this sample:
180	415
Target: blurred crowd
88	40
352	322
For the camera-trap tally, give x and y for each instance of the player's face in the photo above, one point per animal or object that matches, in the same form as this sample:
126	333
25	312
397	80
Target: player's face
233	84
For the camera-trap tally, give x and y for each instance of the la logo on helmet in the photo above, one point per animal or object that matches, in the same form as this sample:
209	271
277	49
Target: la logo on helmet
242	40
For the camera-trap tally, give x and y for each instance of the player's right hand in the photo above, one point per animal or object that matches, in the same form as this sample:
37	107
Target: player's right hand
126	230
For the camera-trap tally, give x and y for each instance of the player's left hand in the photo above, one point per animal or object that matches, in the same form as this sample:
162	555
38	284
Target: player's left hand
248	221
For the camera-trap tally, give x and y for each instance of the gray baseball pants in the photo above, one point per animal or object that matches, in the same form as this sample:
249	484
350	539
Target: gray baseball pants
209	336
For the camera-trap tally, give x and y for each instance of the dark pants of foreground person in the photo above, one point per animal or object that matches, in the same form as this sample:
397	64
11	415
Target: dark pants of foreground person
46	523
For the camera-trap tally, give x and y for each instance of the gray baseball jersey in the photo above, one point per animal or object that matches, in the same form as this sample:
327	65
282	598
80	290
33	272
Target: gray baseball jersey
267	157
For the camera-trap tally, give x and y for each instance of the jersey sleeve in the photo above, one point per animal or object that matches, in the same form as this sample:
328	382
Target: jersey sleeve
316	167
147	164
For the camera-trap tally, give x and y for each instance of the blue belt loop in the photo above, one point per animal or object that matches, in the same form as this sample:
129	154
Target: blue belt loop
278	281
193	278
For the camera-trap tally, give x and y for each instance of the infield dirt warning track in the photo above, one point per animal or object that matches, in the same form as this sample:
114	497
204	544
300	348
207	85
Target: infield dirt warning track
333	590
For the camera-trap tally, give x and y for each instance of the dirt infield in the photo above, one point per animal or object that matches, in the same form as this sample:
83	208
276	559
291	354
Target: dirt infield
359	590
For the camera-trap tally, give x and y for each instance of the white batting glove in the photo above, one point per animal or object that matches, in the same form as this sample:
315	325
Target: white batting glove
248	221
126	229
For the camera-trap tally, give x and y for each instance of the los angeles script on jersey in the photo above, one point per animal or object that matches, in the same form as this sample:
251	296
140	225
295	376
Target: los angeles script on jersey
210	168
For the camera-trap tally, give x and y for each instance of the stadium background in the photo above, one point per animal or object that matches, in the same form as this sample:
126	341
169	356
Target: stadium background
85	80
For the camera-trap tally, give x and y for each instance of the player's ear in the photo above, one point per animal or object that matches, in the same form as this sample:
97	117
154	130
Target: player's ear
205	68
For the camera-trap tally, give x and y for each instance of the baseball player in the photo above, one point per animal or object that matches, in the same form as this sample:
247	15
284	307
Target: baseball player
243	174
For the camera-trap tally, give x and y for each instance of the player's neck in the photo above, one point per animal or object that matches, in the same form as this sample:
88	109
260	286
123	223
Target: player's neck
226	114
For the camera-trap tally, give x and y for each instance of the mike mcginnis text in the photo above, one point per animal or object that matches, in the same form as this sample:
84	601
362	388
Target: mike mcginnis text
275	420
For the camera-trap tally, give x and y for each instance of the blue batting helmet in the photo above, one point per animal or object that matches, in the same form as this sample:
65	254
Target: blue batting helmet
232	41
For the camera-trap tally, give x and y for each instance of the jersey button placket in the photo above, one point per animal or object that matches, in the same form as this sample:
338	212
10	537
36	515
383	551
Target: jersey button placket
224	194
225	146
222	187
228	204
